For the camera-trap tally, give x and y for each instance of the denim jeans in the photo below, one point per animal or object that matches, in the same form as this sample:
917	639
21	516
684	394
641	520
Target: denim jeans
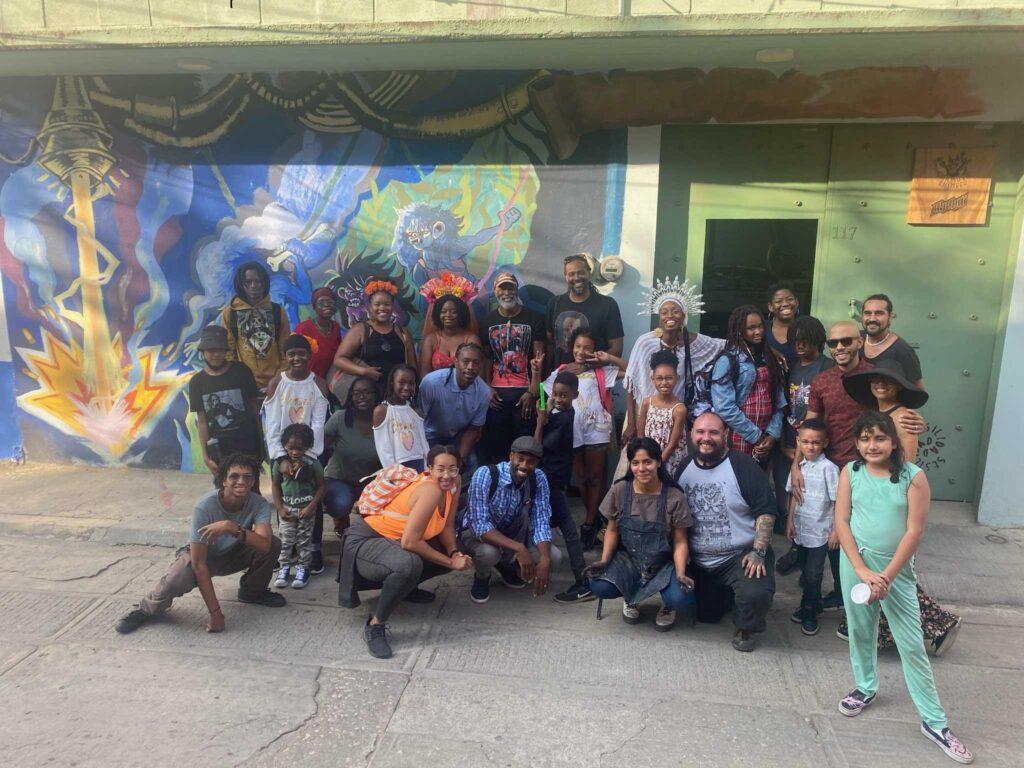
339	497
674	596
562	519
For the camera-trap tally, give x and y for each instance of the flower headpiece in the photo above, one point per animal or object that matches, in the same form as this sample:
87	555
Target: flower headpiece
448	285
682	293
380	286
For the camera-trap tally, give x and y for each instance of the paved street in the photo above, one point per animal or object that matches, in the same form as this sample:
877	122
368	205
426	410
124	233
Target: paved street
516	682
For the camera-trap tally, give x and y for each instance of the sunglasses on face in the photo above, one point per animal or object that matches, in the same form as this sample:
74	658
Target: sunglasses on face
234	477
845	341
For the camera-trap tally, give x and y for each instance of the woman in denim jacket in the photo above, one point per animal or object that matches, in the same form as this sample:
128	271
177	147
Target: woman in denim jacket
748	386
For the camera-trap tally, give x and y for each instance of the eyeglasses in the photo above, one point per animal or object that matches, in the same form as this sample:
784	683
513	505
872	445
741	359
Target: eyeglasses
845	341
234	477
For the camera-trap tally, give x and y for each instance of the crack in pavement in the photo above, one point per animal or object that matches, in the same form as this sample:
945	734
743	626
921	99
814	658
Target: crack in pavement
645	717
298	727
383	731
104	569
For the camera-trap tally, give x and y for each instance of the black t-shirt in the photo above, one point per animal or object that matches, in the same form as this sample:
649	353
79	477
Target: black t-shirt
904	354
598	313
800	378
510	341
558	448
224	400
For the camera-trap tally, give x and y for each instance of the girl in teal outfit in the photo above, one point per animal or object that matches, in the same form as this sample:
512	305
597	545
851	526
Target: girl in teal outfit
881	509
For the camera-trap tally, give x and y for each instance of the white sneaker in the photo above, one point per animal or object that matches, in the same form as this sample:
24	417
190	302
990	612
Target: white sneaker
949	744
630	613
282	577
301	577
665	620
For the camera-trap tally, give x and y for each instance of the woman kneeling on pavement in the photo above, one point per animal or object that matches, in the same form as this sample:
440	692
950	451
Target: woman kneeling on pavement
645	544
411	540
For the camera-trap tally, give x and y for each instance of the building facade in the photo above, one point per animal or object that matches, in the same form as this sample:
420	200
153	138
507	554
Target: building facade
148	149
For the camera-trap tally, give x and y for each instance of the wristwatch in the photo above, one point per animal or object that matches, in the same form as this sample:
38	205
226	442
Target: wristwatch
762	553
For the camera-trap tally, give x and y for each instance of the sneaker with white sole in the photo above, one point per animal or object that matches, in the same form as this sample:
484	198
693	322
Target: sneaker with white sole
301	577
937	646
948	743
630	613
665	620
282	577
855	702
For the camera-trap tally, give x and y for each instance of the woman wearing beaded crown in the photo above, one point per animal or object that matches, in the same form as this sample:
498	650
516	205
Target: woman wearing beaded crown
673	301
378	344
449	323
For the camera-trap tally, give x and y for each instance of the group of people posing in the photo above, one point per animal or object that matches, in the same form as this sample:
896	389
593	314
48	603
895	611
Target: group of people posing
459	454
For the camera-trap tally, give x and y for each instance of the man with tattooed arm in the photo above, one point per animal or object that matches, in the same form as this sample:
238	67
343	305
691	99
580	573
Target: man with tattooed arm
732	563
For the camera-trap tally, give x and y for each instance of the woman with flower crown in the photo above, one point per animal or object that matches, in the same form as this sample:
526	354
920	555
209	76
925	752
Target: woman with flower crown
378	344
673	301
449	323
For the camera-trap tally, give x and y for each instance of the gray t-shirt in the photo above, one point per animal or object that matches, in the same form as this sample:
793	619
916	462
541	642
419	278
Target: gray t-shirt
723	522
645	506
209	510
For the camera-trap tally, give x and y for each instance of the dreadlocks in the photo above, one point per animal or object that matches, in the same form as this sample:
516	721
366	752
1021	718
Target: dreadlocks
736	343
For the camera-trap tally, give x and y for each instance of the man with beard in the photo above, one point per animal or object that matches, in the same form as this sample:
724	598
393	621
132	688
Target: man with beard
730	543
881	343
225	400
454	401
582	307
509	505
514	335
257	327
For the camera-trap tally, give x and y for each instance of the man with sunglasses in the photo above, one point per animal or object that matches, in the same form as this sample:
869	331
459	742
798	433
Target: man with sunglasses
230	533
582	307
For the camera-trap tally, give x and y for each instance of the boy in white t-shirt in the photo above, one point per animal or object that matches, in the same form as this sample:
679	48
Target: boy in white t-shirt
811	523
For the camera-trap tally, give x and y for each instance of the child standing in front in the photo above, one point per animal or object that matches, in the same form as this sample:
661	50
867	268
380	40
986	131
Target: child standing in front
662	416
810	523
881	510
398	430
298	487
596	372
558	430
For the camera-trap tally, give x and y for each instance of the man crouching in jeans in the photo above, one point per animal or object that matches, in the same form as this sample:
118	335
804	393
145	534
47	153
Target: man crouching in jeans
230	533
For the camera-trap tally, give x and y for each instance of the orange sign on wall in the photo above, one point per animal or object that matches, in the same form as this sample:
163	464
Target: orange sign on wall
951	186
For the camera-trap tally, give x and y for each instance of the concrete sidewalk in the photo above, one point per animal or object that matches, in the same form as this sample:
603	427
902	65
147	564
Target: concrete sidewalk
519	682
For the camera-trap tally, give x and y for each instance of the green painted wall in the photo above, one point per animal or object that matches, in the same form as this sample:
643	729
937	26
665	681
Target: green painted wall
855	180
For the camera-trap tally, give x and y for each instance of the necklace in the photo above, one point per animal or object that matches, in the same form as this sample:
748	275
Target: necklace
877	343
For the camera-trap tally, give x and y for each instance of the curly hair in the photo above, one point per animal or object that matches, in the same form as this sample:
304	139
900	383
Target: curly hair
303	432
664	357
883	422
237	460
461	311
808	329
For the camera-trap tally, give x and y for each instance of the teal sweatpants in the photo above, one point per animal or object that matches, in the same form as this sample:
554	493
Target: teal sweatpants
904	616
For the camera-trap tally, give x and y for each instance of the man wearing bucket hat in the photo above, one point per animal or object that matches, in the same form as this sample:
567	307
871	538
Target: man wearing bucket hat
506	525
886	388
225	399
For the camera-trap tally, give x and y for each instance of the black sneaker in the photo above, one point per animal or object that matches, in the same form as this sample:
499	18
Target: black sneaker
480	592
316	565
809	624
786	564
510	577
797	617
833	601
265	598
841	632
588	536
131	621
855	702
939	645
420	596
577	593
376	639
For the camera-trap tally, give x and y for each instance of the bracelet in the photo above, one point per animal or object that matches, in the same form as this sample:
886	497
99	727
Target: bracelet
453	552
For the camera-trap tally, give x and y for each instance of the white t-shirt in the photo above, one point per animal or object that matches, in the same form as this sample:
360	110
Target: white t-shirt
593	423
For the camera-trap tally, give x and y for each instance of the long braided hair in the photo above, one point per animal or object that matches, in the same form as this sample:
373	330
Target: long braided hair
458	349
736	344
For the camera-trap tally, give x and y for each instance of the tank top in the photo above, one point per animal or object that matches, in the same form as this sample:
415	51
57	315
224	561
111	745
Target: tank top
878	514
400	437
391	523
382	350
659	428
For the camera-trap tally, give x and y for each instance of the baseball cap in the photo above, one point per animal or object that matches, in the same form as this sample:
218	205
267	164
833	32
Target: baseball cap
527	444
506	277
213	337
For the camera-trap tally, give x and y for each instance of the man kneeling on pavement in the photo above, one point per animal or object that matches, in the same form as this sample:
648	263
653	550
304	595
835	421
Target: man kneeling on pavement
509	505
230	533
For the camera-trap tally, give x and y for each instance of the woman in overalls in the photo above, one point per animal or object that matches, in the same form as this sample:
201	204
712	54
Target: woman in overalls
645	544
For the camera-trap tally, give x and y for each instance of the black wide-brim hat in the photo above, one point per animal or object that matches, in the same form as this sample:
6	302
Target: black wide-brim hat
858	387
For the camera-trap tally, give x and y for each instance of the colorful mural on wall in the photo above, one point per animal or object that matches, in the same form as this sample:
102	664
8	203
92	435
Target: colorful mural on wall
126	204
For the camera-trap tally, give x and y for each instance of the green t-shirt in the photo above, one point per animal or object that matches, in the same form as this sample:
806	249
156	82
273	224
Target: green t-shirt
298	491
878	515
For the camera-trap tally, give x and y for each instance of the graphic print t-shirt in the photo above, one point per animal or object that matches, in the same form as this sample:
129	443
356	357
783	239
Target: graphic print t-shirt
298	490
598	313
224	401
723	525
800	378
510	340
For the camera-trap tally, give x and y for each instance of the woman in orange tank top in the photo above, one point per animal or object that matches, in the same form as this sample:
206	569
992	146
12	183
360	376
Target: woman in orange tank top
411	541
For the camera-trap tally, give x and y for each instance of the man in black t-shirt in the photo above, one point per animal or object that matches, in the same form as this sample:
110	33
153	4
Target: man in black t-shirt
582	307
512	335
224	397
880	343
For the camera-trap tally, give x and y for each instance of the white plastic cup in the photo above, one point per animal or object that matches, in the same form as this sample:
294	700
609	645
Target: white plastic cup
860	593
